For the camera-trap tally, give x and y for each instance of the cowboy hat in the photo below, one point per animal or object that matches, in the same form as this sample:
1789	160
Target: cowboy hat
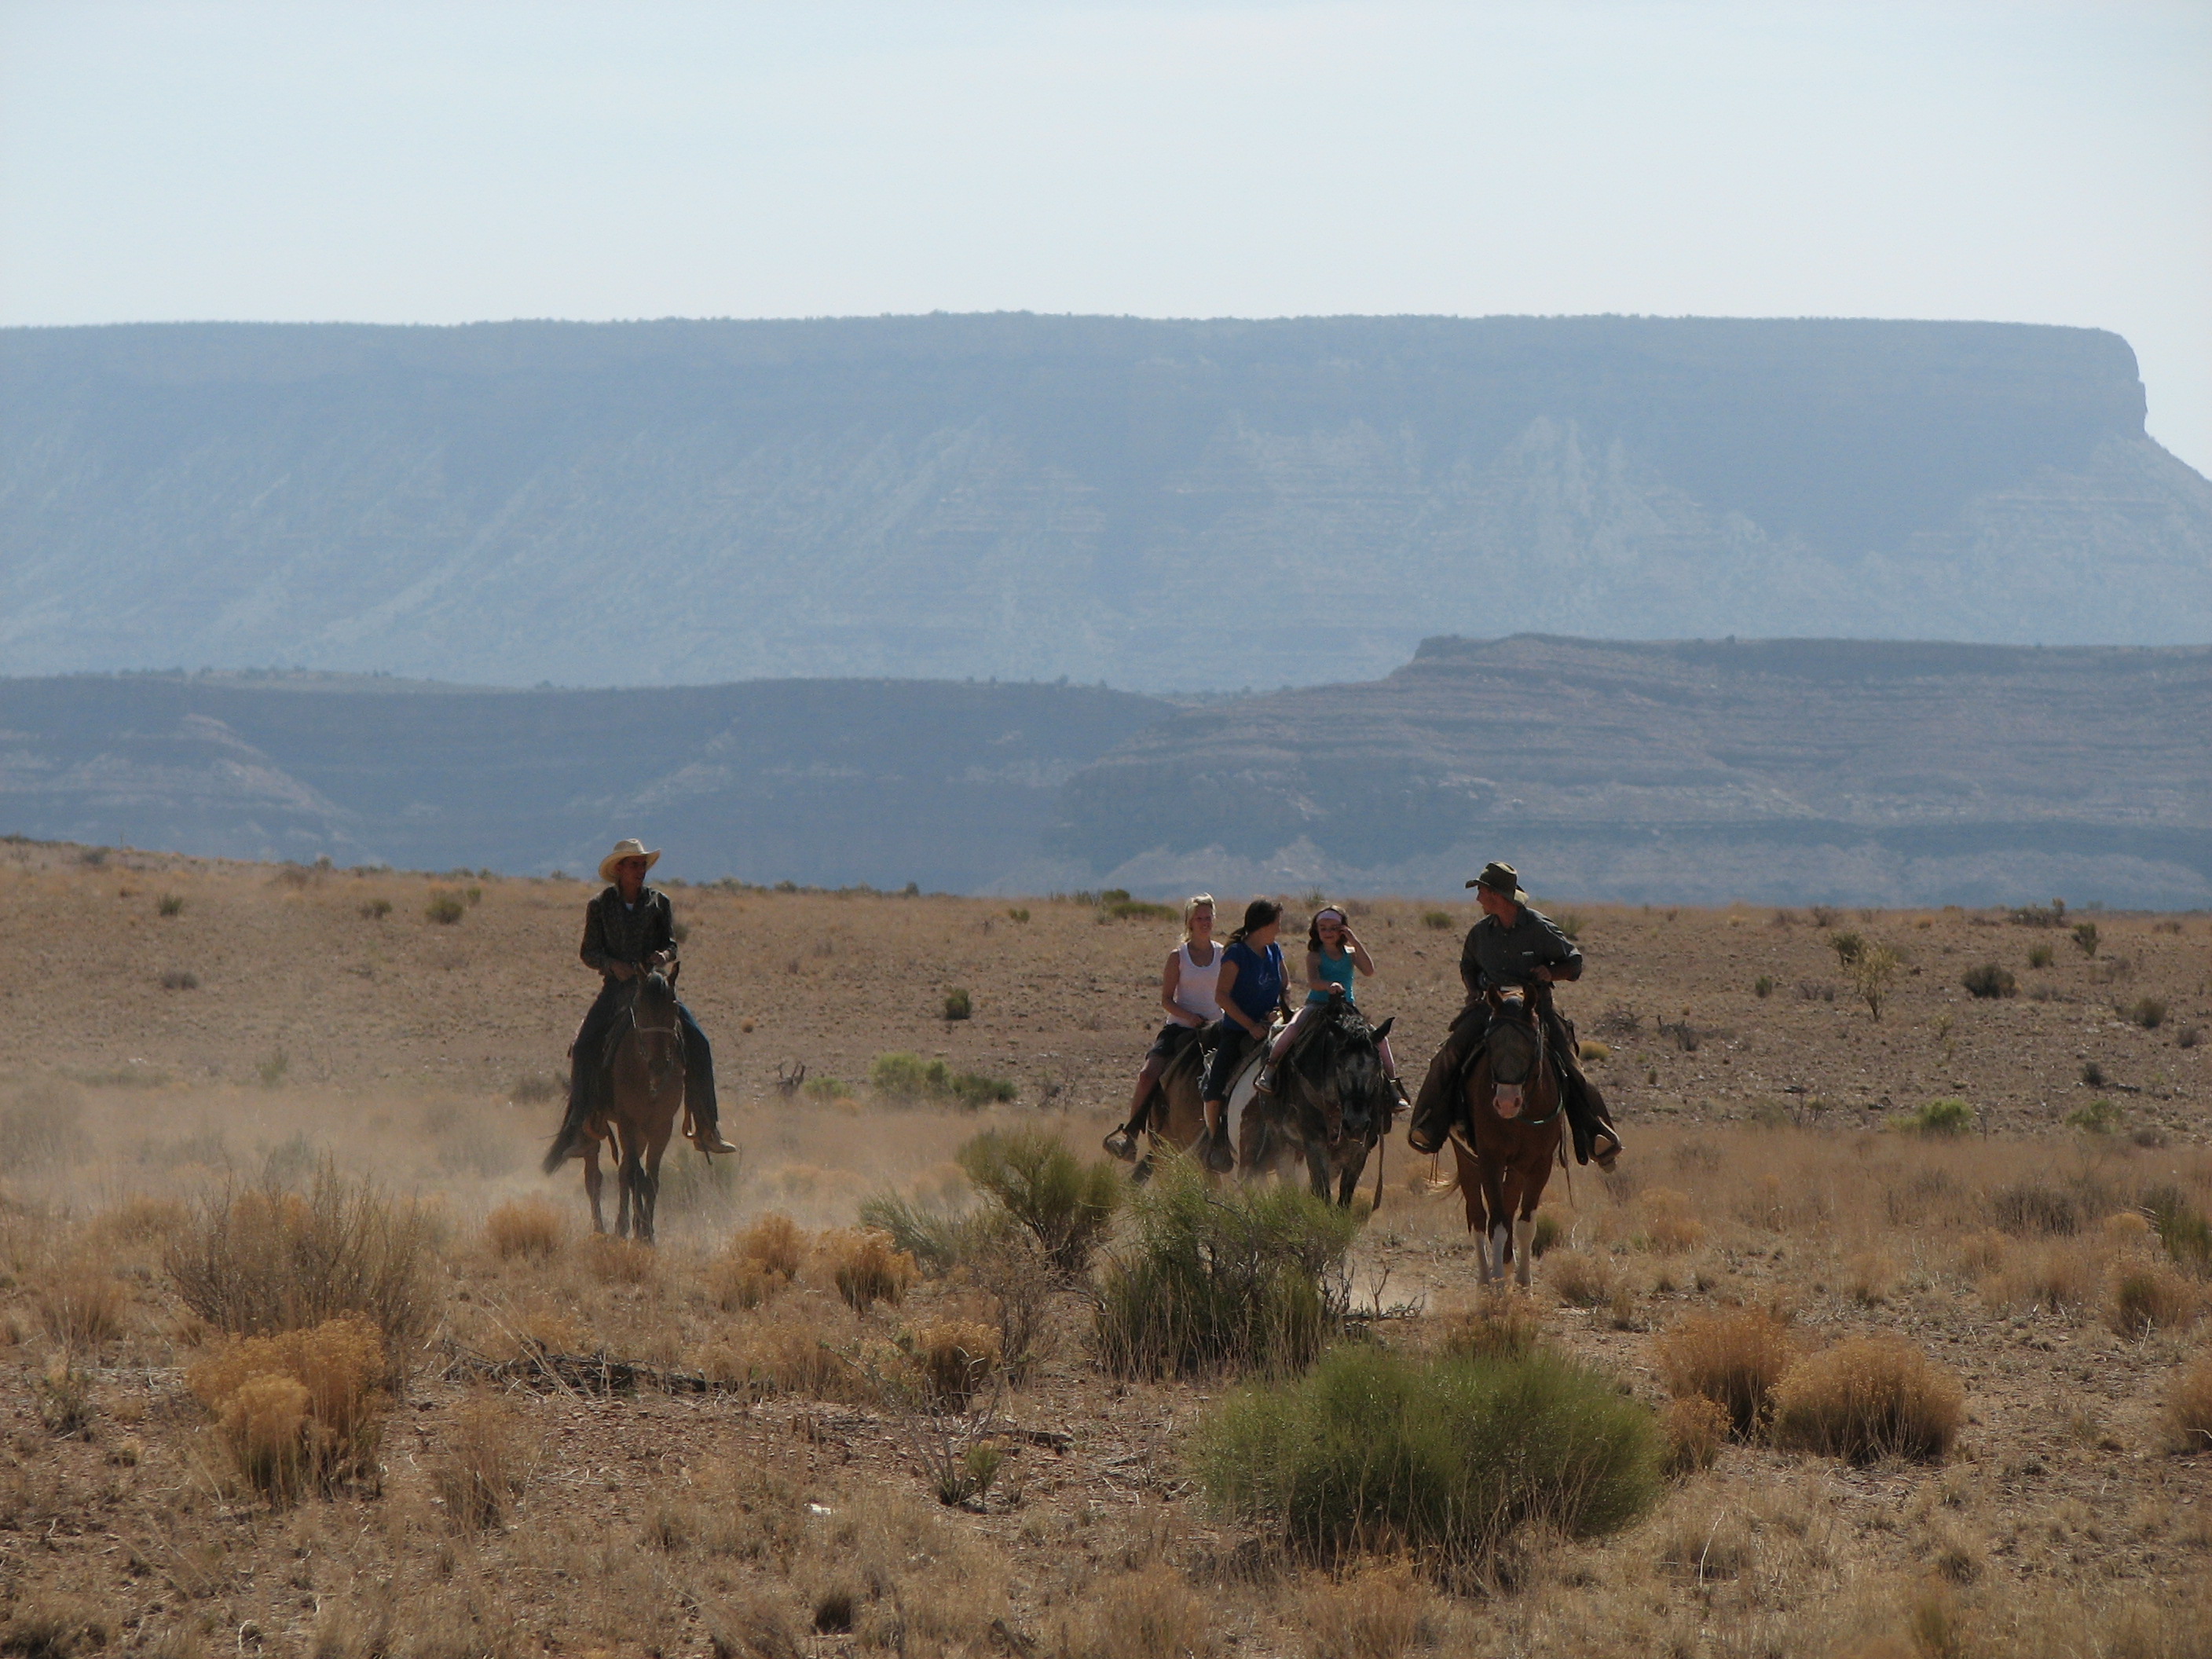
632	848
1502	880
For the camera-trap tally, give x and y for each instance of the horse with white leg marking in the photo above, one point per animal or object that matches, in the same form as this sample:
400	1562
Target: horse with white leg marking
1509	1134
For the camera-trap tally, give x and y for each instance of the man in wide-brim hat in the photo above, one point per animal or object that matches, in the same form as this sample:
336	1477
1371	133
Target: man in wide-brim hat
1512	944
629	931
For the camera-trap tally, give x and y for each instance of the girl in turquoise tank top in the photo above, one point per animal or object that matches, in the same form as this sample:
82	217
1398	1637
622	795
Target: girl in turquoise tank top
1335	957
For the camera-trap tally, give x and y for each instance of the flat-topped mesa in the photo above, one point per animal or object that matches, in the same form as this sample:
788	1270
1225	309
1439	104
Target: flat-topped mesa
1159	504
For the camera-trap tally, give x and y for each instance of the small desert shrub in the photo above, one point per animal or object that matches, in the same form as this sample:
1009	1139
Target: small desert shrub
1497	1328
303	1407
910	1078
445	908
2189	1406
486	1465
141	1218
613	1260
1546	1235
2099	1117
2183	1230
1943	1119
952	1359
2150	1296
1116	905
1763	987
65	1399
1441	1459
956	1004
866	1267
1734	1359
80	1306
376	909
775	1242
525	1227
2057	1277
827	1088
1440	920
2149	1012
1696	1428
180	979
1872	972
2028	1208
1251	1280
1065	1204
1018	912
1593	1048
2085	936
169	904
1581	1278
1868	1397
760	1262
264	1261
935	1238
1991	981
2040	956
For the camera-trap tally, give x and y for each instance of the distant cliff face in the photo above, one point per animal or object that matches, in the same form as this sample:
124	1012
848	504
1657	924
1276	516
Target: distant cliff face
1156	504
1780	771
823	782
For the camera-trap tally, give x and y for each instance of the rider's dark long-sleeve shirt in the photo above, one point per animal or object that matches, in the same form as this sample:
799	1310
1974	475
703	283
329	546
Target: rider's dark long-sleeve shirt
1495	954
628	933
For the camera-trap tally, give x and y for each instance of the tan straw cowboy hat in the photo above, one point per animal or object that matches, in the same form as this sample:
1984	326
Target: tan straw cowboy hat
632	848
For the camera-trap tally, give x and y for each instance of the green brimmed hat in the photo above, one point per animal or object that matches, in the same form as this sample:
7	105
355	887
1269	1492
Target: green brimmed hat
1502	880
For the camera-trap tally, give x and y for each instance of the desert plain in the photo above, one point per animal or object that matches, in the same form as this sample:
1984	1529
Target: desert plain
1990	1178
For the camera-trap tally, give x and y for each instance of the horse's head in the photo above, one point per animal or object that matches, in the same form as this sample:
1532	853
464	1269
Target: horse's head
1515	1046
653	1016
1342	1072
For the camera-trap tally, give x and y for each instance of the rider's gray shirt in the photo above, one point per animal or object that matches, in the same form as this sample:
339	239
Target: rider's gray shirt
1498	955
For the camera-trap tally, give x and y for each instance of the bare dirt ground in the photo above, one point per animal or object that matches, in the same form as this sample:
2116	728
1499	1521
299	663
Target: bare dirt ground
275	1016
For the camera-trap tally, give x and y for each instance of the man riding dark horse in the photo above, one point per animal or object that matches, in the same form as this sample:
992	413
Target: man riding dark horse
629	931
1513	946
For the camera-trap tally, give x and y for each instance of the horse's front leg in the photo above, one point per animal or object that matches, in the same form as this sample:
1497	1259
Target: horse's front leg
1498	1239
648	1189
594	1179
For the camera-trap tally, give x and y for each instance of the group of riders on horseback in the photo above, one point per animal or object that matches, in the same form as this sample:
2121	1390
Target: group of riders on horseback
1231	1002
1230	1023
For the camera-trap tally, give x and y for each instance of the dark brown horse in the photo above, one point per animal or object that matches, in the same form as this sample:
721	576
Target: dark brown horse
1332	1105
1509	1136
647	1095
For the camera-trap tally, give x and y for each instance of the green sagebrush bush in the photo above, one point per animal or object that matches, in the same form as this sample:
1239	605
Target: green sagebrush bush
911	1078
1245	1279
1441	1458
1065	1203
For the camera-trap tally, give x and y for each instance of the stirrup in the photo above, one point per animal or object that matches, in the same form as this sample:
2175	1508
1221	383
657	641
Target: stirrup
1264	1083
1121	1145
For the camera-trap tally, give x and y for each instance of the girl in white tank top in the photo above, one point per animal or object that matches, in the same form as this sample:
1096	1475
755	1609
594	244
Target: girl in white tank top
1189	996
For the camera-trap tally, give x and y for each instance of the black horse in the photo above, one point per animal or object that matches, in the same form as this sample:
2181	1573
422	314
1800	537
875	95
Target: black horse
1332	1105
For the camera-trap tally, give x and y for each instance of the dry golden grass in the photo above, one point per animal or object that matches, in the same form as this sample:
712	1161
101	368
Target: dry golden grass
1141	1615
777	1243
1382	1612
2189	1406
486	1465
866	1267
953	1358
1696	1428
1869	1397
2149	1296
81	1305
1497	1328
527	1227
1583	1277
302	1406
738	1516
1734	1358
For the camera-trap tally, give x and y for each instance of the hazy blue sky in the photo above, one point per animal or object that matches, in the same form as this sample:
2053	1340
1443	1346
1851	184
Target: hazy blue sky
450	161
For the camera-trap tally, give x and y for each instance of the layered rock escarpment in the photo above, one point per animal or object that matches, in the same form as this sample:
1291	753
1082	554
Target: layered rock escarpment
1781	771
1158	504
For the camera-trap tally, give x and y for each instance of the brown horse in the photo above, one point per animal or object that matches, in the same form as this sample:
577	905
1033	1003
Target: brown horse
647	1089
1509	1139
1177	1114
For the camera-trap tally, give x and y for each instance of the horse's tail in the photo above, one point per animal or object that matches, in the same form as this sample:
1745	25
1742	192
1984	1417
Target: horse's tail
558	1153
1438	1187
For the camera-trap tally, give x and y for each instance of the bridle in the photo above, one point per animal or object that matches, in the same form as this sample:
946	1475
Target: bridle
1506	1098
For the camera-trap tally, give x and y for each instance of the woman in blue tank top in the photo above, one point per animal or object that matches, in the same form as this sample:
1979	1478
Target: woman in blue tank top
1335	957
1250	991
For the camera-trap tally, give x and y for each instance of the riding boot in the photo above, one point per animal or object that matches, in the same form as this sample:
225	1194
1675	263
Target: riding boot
1264	1083
1214	1151
567	1143
699	1085
1438	1103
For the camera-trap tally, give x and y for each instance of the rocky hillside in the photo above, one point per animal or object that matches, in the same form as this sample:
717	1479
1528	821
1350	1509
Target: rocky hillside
823	782
1782	771
1159	504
